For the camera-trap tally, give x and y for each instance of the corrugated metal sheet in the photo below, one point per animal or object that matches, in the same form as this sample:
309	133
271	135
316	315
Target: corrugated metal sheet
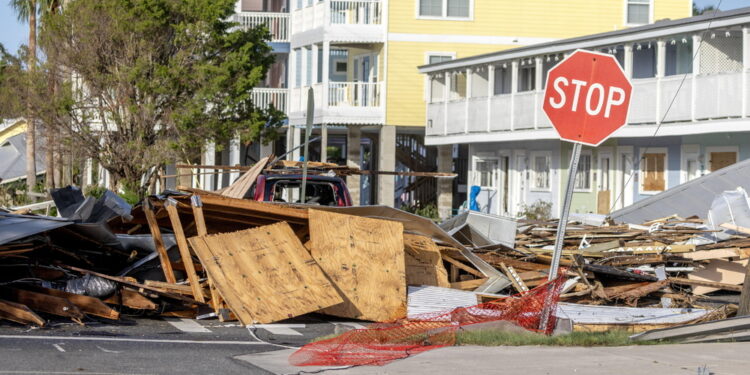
688	199
433	299
594	314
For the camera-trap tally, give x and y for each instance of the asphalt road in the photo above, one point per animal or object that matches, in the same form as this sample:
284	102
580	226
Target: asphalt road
150	346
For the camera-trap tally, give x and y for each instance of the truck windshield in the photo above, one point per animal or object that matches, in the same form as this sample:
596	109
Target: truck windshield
290	191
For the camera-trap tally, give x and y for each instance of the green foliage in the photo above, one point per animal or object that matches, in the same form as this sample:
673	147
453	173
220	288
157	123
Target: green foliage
96	191
539	210
164	76
429	211
500	338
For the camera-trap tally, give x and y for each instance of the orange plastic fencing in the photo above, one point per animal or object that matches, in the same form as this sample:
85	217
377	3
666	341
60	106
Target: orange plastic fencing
381	343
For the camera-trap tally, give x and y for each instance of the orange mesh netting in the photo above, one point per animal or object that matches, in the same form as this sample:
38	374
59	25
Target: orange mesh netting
382	343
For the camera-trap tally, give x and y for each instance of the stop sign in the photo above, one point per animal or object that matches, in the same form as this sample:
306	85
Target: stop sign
587	97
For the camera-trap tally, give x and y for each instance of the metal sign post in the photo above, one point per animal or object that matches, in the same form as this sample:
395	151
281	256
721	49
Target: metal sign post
563	224
308	131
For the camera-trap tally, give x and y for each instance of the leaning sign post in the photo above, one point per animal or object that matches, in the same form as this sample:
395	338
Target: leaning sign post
587	99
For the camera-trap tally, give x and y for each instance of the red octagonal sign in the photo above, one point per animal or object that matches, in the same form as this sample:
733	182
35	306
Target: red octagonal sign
587	97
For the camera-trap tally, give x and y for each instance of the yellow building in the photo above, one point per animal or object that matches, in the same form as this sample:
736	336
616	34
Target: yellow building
360	59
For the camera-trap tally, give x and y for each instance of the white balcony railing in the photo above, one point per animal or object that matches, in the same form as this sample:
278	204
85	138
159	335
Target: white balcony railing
263	97
698	98
338	12
277	23
354	94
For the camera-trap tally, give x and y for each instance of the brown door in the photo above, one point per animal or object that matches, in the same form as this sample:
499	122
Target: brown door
653	168
720	160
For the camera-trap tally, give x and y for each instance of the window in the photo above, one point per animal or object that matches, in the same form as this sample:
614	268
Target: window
485	172
583	176
434	59
540	171
653	171
341	67
445	8
639	12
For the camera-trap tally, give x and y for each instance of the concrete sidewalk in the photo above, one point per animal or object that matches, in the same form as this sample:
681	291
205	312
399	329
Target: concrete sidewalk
722	358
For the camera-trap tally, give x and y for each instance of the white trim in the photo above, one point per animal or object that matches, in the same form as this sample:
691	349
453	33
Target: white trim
650	14
466	39
591	174
633	131
519	186
444	17
624	186
652	150
532	158
709	150
689	152
427	78
606	153
473	178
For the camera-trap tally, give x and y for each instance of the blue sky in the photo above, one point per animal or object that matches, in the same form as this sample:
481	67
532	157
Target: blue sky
13	33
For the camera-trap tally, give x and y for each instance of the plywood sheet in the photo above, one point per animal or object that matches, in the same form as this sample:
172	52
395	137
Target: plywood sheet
424	265
265	274
365	260
719	271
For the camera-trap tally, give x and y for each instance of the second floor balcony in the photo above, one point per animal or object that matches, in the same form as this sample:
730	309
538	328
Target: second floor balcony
342	20
265	97
343	103
277	23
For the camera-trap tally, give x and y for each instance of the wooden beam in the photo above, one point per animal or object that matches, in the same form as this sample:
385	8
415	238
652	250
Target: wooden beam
681	281
462	266
132	299
468	284
217	302
182	245
153	225
88	305
16	312
43	302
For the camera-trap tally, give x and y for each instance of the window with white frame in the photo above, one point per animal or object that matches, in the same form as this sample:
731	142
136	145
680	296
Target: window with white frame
445	8
638	12
485	172
434	58
583	175
540	167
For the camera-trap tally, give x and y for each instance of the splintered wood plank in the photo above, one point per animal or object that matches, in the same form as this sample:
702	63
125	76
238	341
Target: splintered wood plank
42	302
365	260
16	312
217	302
87	305
719	271
239	188
132	299
265	274
153	226
423	263
182	245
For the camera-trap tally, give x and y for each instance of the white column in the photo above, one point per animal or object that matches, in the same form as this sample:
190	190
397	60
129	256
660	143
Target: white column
628	68
326	73
696	71
490	94
469	94
353	156
446	99
513	91
292	84
209	158
89	172
324	142
661	64
289	142
303	73
296	142
445	185
234	157
387	162
745	68
537	89
314	78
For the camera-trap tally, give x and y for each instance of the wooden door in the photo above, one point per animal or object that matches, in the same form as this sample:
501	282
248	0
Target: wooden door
720	160
653	172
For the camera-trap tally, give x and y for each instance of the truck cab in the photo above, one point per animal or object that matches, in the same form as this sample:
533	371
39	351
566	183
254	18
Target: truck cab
287	188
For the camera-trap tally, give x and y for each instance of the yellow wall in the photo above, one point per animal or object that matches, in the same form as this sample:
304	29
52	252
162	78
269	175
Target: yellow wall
498	18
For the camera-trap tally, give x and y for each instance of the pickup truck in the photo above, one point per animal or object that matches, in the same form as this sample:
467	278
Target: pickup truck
321	190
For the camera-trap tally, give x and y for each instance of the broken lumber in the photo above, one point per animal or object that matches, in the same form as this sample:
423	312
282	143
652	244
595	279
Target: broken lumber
19	313
87	305
43	302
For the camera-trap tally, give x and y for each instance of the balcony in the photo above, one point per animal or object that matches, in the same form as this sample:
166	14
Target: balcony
339	20
264	97
340	103
277	23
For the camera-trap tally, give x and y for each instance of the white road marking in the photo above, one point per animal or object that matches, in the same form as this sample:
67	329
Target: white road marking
187	325
280	329
120	339
59	348
108	351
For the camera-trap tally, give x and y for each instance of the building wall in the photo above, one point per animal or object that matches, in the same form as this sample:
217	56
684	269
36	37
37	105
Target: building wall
496	25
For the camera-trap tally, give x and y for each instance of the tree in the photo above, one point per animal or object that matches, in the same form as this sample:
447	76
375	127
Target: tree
27	11
153	80
697	11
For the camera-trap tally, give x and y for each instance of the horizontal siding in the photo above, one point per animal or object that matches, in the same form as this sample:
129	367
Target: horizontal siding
529	18
405	101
